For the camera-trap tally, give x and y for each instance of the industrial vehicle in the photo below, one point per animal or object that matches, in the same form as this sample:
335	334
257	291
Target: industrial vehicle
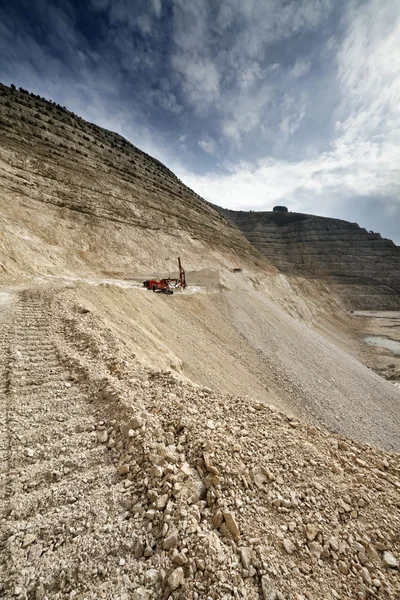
167	285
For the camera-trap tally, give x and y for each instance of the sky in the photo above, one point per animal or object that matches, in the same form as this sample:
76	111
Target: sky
252	103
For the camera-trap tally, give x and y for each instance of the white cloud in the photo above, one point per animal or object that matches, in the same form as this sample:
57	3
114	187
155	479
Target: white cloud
266	21
332	185
157	7
200	80
364	159
208	145
369	73
166	101
300	68
223	71
273	181
134	15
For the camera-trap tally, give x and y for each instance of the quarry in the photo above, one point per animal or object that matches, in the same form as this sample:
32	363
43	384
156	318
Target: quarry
237	439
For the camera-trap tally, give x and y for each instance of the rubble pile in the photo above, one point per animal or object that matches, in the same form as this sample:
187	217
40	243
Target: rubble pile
230	498
204	496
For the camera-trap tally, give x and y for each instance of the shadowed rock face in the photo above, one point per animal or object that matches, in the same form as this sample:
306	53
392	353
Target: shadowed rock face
361	267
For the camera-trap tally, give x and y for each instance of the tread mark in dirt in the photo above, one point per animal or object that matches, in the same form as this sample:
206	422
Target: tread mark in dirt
55	468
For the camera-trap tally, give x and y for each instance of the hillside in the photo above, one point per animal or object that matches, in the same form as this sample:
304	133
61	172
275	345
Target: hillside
360	266
224	442
81	199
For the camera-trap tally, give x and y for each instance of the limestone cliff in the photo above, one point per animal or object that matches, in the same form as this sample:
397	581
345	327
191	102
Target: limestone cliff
76	198
361	266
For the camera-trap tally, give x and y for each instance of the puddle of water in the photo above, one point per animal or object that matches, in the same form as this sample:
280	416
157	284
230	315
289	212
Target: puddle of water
381	342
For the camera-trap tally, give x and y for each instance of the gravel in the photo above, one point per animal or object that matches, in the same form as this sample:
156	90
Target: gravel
75	524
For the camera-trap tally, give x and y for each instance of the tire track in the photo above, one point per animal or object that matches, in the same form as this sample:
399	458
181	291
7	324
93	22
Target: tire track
56	470
5	342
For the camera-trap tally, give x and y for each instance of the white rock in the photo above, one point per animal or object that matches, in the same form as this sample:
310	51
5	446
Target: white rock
246	557
40	592
231	523
194	489
176	578
141	594
137	422
170	456
171	541
28	540
157	471
214	542
311	531
161	502
259	477
343	568
102	436
334	543
267	589
180	559
151	576
365	575
389	561
288	546
315	549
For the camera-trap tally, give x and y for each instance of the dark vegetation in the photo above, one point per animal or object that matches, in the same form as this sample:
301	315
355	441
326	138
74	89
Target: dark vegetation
285	218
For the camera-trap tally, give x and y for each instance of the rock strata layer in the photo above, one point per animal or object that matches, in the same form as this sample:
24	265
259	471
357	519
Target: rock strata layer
76	196
361	266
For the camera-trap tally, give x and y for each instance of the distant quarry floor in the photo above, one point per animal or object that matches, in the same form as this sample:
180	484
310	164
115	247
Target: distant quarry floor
177	447
380	333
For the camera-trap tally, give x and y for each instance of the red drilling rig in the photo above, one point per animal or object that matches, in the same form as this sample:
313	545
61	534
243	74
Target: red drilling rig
166	286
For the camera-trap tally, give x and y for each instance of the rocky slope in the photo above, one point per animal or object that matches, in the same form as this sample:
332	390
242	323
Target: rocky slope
181	447
126	482
78	198
361	267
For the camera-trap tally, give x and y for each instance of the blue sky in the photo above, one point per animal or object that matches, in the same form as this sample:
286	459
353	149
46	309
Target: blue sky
252	103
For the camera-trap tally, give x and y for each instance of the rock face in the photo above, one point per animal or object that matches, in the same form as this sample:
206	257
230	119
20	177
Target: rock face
361	267
76	196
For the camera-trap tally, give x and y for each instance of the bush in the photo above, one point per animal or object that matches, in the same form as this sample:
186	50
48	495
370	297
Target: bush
280	209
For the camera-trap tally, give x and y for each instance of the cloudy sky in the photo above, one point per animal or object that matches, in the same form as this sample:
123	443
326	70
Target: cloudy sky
251	103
